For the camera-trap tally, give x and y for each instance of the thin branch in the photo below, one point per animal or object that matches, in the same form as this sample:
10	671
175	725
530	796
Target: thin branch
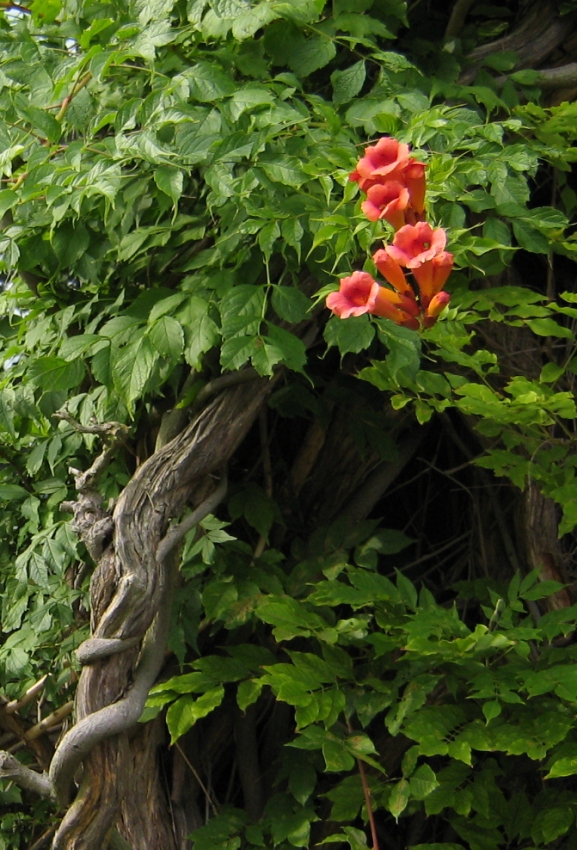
198	779
176	533
69	97
17	704
367	795
51	720
24	777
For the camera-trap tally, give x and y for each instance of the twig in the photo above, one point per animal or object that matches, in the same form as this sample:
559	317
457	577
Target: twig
176	533
68	99
267	471
17	704
44	838
50	720
198	779
367	794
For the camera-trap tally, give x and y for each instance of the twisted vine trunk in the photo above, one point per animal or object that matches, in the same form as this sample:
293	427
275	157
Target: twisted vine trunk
130	596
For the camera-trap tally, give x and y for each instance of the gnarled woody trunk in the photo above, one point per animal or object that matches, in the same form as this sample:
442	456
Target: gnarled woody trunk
130	596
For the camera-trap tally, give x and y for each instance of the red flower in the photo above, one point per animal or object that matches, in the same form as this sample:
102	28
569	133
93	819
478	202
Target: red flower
414	177
432	276
385	160
360	293
415	244
391	271
383	166
437	305
387	200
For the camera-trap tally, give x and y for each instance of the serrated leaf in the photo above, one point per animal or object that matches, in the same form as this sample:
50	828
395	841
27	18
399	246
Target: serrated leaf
184	713
133	367
203	336
349	335
285	170
70	243
348	83
10	492
208	83
167	337
290	304
55	373
291	349
311	54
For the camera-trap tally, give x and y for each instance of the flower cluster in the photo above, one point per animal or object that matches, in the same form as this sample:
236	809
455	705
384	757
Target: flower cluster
394	183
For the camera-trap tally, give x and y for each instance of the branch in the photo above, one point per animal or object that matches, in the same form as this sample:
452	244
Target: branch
68	99
540	32
557	78
457	19
24	777
176	533
17	704
113	719
50	720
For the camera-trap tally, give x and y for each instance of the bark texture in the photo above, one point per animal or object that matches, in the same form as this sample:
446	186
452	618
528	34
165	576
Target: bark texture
130	594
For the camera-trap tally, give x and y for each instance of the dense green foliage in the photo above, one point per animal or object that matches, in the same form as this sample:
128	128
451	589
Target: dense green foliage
176	204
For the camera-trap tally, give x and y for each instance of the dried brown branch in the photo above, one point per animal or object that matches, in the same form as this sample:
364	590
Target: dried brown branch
33	691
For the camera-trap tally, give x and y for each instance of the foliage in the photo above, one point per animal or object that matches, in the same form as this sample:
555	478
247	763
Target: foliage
176	205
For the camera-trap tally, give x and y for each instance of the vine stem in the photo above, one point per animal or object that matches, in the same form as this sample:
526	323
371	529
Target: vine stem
367	793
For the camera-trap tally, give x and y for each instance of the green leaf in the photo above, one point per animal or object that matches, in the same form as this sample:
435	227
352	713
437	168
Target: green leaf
186	711
132	369
248	692
12	492
348	83
290	304
169	180
55	373
167	337
549	327
208	83
285	170
203	336
311	54
337	757
70	243
399	798
291	350
530	238
349	335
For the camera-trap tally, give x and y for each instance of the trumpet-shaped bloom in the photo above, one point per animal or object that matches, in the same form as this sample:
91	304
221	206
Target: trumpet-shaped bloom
353	296
387	200
415	244
437	305
391	271
414	178
432	276
360	293
386	159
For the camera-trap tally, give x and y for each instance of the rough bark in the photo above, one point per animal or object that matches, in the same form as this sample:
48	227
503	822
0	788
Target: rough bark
130	592
540	31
